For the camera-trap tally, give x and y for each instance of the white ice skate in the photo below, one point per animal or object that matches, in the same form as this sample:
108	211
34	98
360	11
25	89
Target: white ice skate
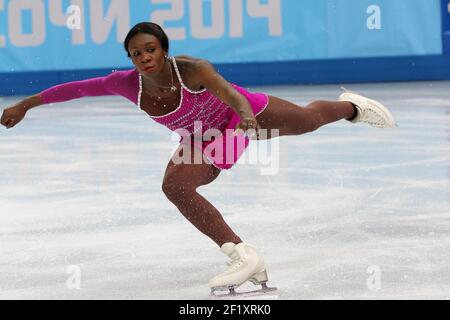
369	111
245	265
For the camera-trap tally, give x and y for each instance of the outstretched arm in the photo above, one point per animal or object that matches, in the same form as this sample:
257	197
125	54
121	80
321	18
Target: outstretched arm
60	93
76	89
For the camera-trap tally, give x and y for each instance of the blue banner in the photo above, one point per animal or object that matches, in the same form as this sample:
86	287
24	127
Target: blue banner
47	35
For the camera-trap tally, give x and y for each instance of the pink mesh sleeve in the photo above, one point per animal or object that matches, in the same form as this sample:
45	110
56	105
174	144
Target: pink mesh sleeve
76	89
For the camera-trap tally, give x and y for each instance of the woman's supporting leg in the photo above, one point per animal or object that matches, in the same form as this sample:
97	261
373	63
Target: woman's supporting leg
180	186
292	119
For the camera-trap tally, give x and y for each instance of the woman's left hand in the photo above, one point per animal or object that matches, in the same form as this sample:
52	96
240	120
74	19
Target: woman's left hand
248	124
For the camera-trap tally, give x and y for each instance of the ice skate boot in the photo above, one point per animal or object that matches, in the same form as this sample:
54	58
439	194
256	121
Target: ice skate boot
245	265
369	111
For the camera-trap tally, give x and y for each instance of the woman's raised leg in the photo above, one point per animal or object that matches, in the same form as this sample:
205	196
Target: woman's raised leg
292	119
180	184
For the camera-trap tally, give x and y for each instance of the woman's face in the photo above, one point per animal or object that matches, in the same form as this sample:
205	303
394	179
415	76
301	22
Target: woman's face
147	54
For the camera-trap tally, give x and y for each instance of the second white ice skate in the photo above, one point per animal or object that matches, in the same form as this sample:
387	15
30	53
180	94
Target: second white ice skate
369	111
245	265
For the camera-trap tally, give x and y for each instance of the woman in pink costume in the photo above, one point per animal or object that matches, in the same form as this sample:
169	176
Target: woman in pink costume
187	95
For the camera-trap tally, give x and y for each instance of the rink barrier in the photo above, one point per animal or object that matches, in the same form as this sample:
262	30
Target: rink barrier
412	68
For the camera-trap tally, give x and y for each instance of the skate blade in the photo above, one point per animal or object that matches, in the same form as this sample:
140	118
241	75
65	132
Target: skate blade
263	293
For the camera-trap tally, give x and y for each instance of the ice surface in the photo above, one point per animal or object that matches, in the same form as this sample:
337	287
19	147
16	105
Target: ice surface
81	190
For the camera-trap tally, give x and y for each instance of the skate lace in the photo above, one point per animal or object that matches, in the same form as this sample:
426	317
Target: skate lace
371	117
234	264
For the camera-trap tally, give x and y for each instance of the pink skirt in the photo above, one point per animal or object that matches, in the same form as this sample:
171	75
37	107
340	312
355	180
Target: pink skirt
225	151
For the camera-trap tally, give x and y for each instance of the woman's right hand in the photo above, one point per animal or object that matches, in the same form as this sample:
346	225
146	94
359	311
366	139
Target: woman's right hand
13	115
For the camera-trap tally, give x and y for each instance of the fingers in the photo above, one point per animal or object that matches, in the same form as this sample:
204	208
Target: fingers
252	133
238	131
248	126
12	116
9	123
3	119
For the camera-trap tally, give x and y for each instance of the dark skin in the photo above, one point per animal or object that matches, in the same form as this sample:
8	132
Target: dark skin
181	181
146	51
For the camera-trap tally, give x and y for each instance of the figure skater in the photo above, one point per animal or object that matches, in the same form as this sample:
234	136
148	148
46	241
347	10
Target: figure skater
179	91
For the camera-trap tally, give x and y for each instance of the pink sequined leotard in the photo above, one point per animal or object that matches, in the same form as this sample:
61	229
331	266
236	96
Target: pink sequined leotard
197	111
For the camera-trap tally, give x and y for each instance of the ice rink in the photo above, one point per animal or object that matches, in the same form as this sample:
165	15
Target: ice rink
352	212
